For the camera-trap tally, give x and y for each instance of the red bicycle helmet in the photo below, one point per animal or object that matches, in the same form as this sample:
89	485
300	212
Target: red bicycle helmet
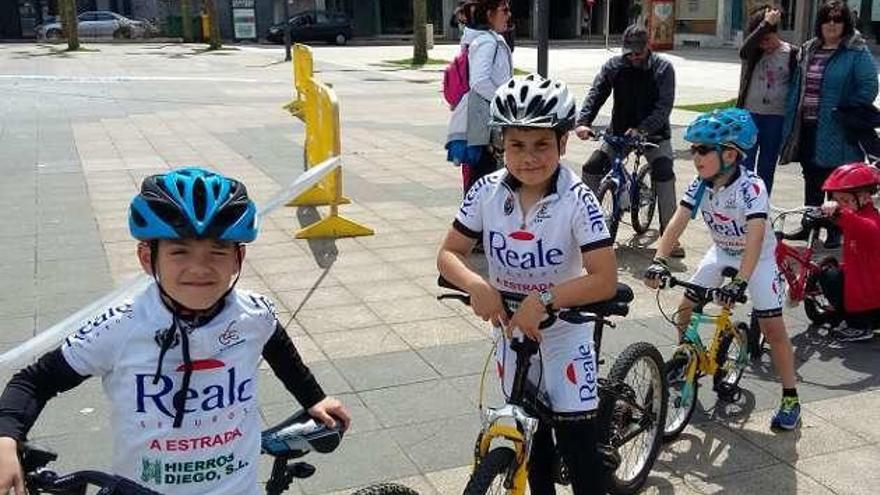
852	176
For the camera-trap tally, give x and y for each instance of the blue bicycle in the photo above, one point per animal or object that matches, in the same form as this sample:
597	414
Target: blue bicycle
621	191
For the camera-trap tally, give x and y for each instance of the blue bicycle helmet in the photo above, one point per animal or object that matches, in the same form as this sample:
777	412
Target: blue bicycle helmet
724	127
192	203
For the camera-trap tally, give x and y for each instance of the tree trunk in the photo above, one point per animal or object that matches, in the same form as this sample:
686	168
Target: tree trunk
69	23
214	40
186	20
420	35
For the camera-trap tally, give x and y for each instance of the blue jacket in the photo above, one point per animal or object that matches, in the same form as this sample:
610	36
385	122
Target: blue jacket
850	78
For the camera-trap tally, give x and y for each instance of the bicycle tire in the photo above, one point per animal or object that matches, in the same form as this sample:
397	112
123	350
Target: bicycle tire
612	220
677	417
643	187
496	463
817	308
738	335
629	478
386	489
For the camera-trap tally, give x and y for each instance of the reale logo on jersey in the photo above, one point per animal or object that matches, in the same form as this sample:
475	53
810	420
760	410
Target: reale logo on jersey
215	396
527	259
585	364
723	225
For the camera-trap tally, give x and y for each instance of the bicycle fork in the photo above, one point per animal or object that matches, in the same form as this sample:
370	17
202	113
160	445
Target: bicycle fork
521	436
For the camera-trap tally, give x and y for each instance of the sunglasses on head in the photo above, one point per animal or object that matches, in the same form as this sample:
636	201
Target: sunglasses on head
702	149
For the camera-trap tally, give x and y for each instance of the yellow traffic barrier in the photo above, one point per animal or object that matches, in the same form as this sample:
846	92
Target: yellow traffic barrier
317	107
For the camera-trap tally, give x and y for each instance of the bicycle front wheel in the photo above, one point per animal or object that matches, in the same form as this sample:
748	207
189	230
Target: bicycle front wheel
608	201
645	201
732	358
491	473
682	399
386	489
637	423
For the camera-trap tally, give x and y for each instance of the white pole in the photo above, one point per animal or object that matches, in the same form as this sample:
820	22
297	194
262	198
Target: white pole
607	22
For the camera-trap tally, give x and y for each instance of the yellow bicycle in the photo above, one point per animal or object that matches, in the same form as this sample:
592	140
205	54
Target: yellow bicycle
725	359
632	403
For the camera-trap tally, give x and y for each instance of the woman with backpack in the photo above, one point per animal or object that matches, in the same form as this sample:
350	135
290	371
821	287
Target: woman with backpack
483	65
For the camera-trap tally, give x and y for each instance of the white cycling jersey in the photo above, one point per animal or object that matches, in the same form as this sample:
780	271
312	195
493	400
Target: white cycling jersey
727	210
215	450
534	250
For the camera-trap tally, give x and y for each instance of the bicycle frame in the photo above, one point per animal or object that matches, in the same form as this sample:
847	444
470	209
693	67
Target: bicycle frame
705	362
618	174
786	255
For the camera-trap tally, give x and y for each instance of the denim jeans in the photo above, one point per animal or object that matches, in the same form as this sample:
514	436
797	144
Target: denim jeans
767	148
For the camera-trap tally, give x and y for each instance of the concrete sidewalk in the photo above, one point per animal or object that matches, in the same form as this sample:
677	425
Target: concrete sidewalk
81	130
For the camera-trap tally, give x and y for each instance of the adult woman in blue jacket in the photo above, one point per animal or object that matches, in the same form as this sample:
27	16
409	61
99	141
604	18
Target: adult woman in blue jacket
834	69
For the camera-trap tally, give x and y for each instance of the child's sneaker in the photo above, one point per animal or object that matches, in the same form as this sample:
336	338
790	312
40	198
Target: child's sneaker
789	414
845	333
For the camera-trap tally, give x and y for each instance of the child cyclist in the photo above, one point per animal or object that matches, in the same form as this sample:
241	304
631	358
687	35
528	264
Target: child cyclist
179	361
733	202
852	288
544	237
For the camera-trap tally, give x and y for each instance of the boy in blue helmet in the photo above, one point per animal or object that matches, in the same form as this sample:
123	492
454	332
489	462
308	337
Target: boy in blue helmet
179	361
734	203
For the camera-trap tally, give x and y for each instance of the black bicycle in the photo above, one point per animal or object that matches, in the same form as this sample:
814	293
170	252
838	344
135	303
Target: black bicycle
631	413
287	441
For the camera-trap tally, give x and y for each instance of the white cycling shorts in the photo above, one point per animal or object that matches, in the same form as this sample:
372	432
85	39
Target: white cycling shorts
765	286
564	369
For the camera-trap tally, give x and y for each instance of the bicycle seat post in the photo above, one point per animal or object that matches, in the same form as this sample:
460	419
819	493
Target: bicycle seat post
525	348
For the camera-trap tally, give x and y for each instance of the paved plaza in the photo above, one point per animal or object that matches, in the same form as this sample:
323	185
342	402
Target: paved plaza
79	131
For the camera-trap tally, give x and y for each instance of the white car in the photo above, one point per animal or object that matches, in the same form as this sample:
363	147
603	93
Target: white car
99	24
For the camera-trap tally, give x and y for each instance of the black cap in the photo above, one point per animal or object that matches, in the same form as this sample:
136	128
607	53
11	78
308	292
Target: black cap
635	39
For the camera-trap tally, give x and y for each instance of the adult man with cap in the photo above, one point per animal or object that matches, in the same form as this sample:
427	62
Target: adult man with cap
643	84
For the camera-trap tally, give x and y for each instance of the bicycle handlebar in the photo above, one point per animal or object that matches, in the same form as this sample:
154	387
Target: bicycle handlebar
706	295
110	484
637	141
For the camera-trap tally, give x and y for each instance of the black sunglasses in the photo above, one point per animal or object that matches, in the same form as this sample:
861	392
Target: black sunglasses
702	149
837	19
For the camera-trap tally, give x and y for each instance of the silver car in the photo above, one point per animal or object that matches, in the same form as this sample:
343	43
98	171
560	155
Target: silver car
99	24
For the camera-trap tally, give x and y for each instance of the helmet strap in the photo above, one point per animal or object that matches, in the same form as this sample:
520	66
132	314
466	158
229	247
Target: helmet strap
723	168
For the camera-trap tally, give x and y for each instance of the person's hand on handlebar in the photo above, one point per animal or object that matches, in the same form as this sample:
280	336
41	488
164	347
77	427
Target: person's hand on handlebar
11	476
329	410
487	304
731	293
584	132
634	133
655	273
528	318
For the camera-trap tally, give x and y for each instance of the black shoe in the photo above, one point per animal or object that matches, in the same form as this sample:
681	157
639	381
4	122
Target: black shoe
832	239
798	235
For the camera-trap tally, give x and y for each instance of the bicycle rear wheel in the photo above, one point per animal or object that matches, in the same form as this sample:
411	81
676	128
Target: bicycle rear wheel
491	472
642	211
386	489
608	201
637	424
819	310
682	399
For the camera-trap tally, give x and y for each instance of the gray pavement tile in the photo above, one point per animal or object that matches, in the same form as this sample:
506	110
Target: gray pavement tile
72	455
272	391
417	402
16	329
440	444
469	386
16	307
458	359
385	370
411	309
779	479
855	413
709	450
86	406
335	319
853	472
364	458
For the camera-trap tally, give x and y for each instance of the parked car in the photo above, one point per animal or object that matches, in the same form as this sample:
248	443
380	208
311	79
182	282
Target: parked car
98	24
314	25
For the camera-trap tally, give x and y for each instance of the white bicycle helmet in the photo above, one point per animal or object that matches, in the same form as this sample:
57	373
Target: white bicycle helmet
533	101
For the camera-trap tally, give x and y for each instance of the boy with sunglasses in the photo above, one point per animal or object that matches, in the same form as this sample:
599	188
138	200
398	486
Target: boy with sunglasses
733	202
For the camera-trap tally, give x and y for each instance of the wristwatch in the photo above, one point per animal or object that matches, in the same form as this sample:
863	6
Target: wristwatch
546	298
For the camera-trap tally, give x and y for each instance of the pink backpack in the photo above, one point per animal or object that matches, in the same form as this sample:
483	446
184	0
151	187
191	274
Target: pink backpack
455	78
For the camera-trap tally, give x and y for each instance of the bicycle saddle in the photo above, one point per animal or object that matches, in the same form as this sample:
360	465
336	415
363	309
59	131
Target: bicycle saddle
33	458
616	306
298	435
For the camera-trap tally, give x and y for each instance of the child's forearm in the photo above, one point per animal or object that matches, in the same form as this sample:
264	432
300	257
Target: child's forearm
673	231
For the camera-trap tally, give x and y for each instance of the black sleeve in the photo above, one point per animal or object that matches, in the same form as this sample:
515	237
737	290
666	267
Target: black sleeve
288	366
28	391
599	92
